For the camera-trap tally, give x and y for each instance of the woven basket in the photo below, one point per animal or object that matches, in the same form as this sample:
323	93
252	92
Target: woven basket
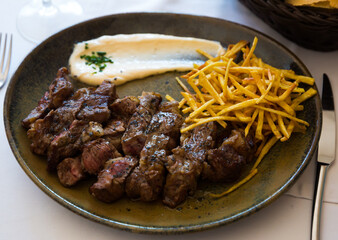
309	27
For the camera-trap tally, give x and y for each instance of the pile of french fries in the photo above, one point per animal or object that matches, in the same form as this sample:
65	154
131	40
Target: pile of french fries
251	94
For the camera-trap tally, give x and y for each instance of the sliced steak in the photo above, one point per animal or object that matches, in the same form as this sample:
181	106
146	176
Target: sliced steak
96	153
135	137
245	146
110	184
223	165
107	88
186	164
182	178
114	131
95	106
60	90
43	131
70	171
69	143
226	163
40	134
167	121
38	112
202	139
122	110
147	180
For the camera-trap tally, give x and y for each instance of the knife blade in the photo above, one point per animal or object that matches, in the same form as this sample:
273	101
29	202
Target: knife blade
326	152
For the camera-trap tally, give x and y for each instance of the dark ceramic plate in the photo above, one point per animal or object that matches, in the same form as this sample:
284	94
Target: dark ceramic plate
277	172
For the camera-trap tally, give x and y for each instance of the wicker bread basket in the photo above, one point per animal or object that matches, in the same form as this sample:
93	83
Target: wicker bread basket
309	27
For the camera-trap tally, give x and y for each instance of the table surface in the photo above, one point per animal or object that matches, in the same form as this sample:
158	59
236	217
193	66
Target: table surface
28	213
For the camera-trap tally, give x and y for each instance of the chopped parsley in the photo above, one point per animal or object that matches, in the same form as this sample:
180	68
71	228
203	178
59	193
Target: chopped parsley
86	46
98	59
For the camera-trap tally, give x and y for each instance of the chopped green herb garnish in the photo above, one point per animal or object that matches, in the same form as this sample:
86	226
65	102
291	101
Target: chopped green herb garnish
101	53
86	46
102	67
99	59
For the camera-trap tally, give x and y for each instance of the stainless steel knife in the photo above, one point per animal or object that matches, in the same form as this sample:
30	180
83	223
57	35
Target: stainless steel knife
326	152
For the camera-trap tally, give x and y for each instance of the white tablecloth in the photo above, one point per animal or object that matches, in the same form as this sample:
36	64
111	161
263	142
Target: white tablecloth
27	213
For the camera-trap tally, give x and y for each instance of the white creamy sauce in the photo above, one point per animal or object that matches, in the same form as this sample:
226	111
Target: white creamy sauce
137	56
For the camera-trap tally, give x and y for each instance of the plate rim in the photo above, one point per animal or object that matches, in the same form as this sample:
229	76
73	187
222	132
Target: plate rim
148	229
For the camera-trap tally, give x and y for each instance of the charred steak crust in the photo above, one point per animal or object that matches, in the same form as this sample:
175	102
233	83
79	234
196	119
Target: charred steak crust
82	103
110	185
167	121
60	90
122	110
181	179
223	165
63	144
95	105
147	179
135	136
43	131
245	146
70	142
186	164
226	163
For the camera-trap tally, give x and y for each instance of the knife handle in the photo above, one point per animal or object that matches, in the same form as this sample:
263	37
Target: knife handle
318	202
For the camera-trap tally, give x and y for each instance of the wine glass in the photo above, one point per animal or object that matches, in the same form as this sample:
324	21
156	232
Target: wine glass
41	18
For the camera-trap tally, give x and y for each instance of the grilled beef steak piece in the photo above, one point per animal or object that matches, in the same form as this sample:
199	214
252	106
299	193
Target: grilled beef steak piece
82	104
110	185
60	89
226	163
167	121
186	164
70	171
63	144
122	110
135	137
43	131
245	146
223	165
39	111
114	131
95	106
202	138
107	88
147	179
181	179
41	135
96	153
69	143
